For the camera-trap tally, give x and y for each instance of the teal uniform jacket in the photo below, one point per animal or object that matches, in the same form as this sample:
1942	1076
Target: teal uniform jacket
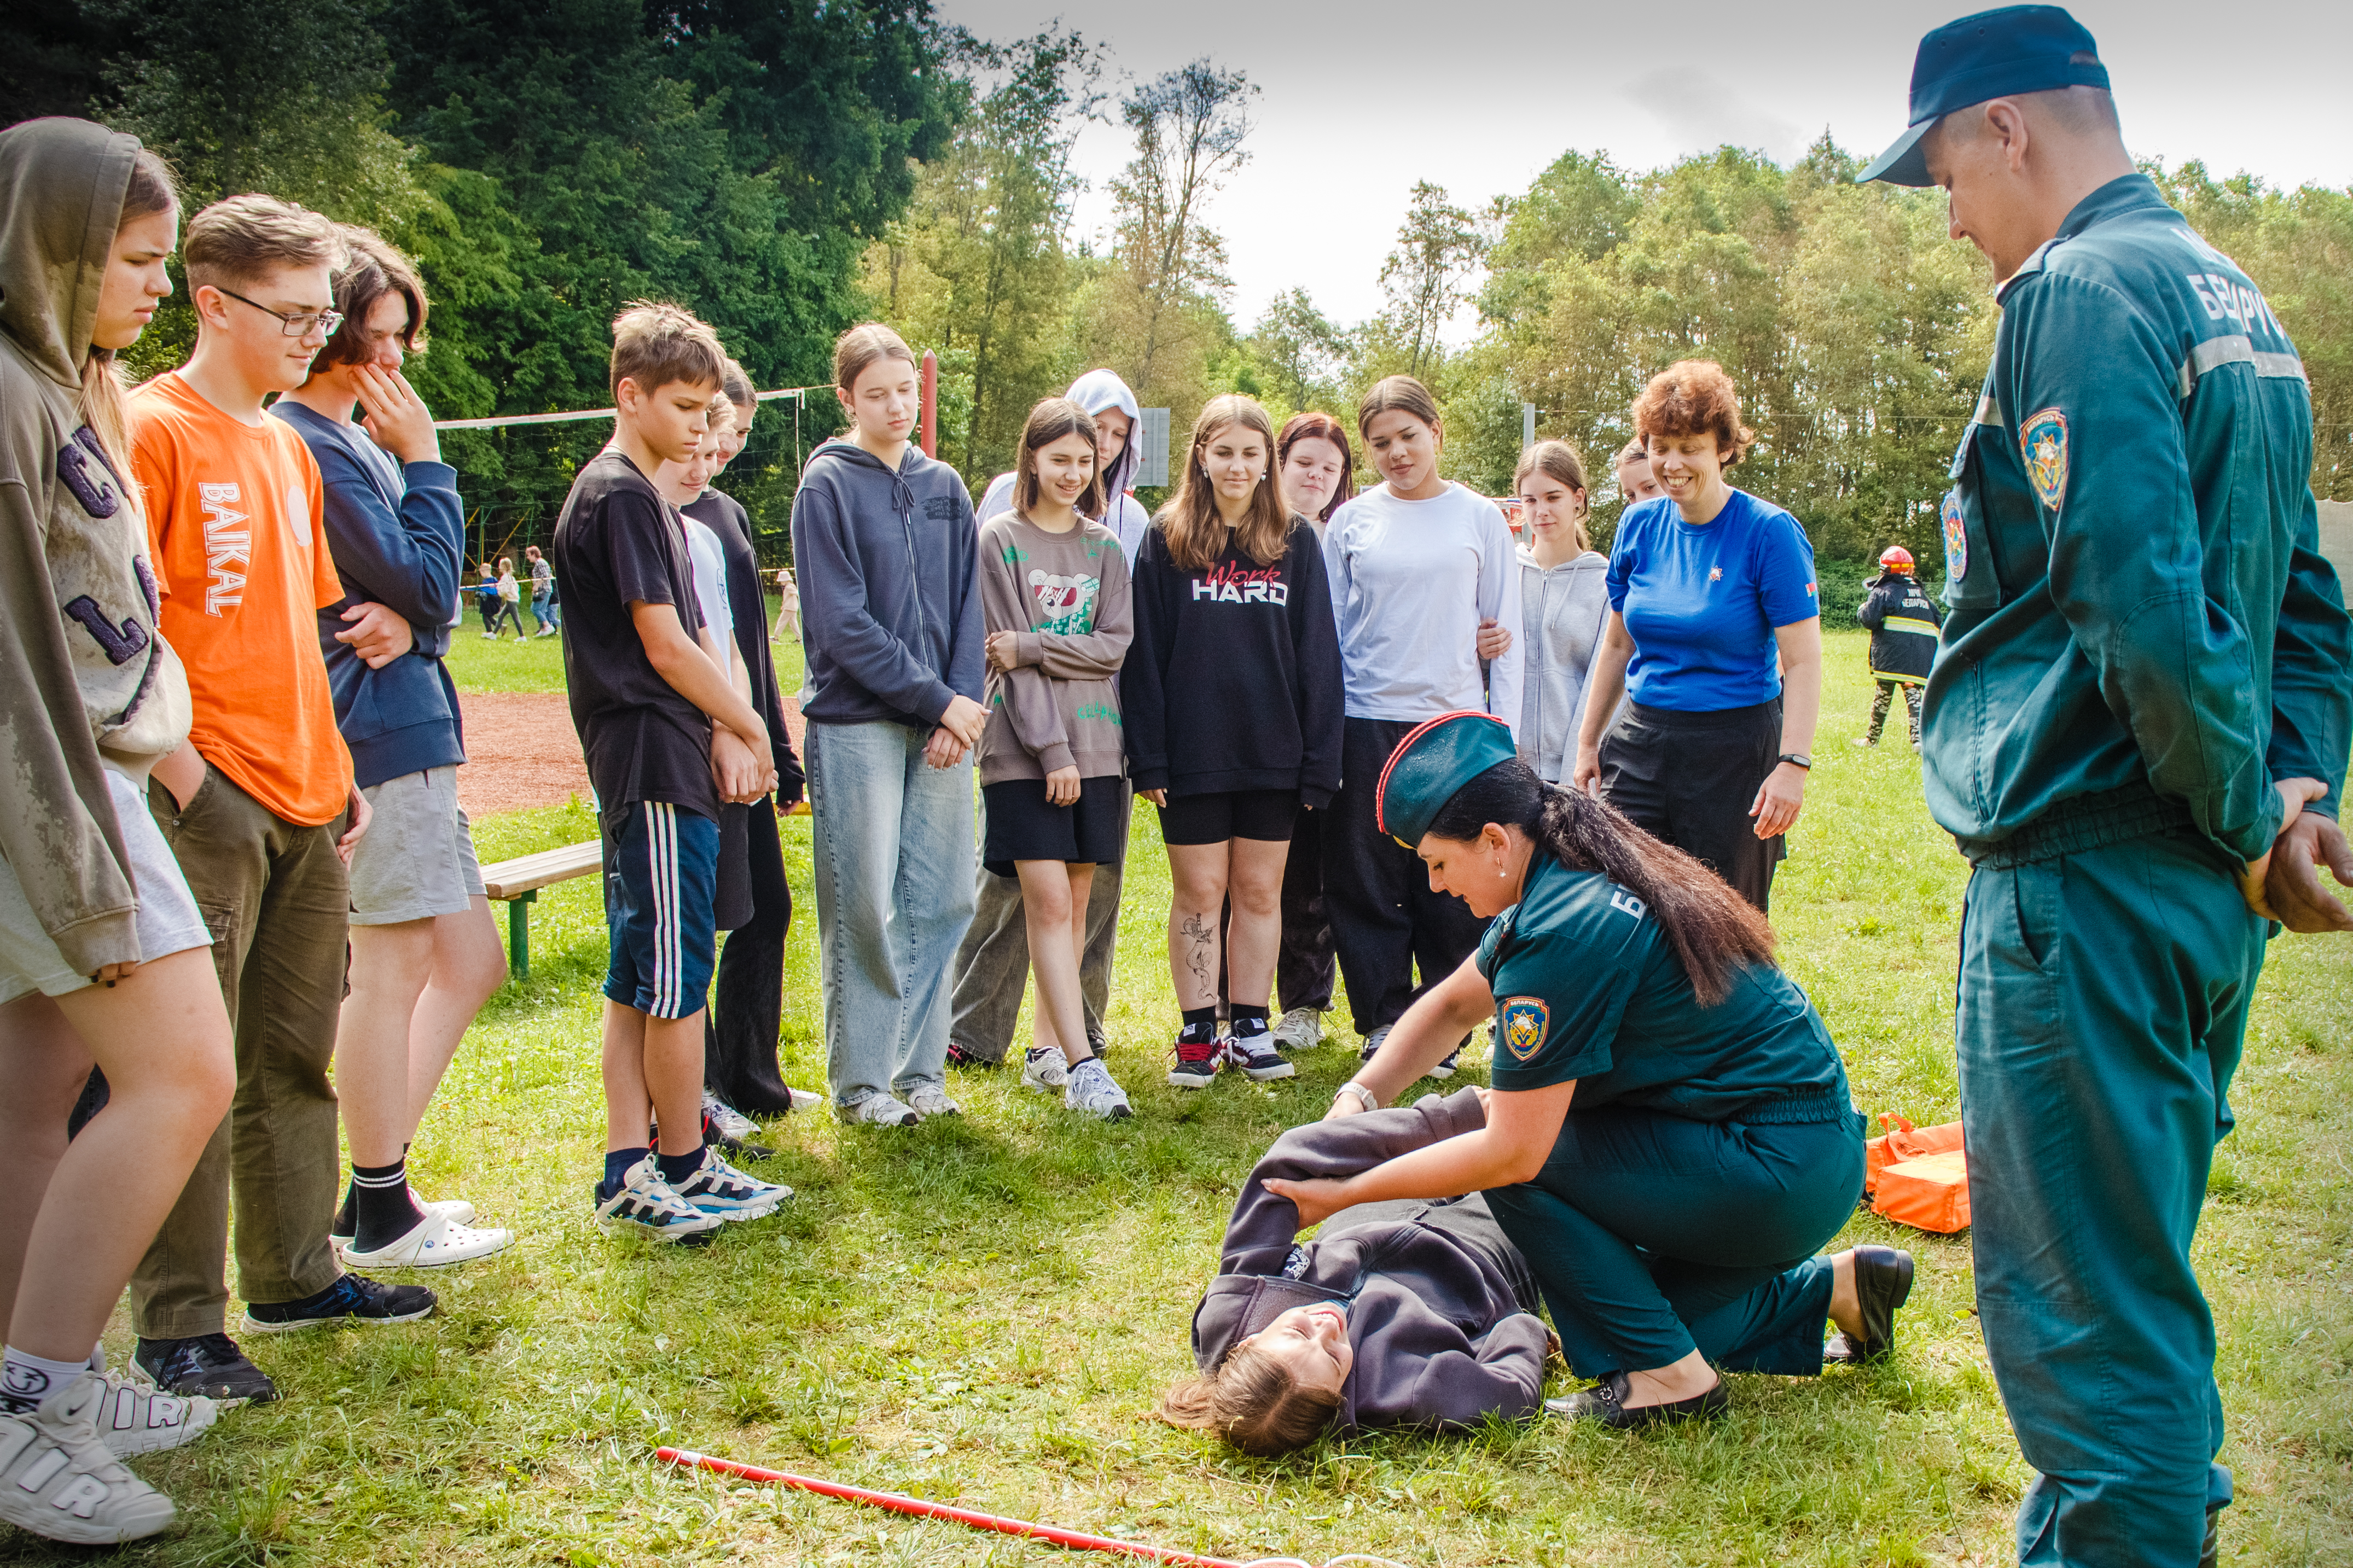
1587	986
2139	599
2143	639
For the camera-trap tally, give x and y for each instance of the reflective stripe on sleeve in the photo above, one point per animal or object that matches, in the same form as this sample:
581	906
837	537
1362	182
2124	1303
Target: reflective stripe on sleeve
1907	624
2237	348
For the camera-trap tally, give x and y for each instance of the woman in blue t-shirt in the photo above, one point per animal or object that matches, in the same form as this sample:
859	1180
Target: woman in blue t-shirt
1712	609
1669	1138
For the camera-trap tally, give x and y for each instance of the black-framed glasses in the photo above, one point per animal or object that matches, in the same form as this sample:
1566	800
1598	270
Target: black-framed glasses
299	323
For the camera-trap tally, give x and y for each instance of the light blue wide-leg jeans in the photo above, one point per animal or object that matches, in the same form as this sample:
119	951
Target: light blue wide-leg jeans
893	847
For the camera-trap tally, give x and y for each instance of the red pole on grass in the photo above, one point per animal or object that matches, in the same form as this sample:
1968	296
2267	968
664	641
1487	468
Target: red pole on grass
898	1503
931	404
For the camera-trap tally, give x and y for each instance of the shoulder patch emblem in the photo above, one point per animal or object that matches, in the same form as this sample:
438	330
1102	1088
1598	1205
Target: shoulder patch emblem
1956	536
2043	442
1520	1025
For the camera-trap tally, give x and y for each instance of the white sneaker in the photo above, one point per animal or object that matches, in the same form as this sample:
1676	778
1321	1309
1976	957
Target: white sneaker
1089	1088
136	1417
457	1211
731	1122
930	1099
60	1482
877	1110
1044	1068
1301	1029
717	1188
645	1202
436	1242
806	1099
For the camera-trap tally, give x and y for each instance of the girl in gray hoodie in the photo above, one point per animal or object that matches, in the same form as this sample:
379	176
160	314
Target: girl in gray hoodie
103	955
1563	598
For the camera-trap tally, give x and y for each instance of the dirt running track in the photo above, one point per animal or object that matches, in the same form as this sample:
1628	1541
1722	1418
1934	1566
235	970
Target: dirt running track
522	750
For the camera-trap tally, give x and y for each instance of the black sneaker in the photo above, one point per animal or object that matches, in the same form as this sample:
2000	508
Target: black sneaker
1198	1061
1445	1069
207	1364
1255	1054
350	1299
960	1057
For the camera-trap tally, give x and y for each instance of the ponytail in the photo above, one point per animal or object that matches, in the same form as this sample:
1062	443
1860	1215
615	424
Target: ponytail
1715	933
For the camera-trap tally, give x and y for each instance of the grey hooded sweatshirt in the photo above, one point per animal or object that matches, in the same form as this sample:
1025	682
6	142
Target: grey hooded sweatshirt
889	563
87	682
1441	1305
1562	609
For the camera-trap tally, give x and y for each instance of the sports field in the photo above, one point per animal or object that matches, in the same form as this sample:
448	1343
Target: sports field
985	1309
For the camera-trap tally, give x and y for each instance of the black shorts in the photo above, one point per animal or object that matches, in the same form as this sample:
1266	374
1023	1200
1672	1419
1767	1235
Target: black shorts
1022	826
1265	814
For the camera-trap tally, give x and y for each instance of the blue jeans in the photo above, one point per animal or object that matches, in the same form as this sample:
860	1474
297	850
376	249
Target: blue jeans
891	839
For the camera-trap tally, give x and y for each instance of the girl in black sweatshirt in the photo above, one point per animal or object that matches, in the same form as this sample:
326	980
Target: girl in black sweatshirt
1232	705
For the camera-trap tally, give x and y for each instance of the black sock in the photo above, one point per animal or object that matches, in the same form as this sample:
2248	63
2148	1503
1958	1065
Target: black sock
386	1210
347	1217
619	1163
1247	1020
676	1168
1201	1023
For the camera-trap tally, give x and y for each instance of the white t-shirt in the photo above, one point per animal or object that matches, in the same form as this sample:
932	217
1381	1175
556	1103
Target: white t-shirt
1128	521
710	578
1411	580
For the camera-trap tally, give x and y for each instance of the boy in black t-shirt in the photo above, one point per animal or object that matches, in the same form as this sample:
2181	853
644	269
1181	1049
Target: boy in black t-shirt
666	738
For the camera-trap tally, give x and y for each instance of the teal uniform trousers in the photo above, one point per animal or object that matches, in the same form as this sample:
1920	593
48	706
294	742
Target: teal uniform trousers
2103	997
1653	1235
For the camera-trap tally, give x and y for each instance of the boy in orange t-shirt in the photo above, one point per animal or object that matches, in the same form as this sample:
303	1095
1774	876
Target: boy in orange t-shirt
258	806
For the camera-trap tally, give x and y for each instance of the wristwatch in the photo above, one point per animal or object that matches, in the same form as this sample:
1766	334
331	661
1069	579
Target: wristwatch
1801	759
1365	1096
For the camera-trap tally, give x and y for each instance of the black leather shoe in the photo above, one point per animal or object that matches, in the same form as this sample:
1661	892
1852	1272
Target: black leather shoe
1606	1402
1883	1282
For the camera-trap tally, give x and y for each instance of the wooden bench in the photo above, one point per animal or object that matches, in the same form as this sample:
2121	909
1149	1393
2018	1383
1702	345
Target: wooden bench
516	884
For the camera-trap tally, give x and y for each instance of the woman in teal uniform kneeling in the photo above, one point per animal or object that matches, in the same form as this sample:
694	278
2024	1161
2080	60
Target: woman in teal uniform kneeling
1668	1139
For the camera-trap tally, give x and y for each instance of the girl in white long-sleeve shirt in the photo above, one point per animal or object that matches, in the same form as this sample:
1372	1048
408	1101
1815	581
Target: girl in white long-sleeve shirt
1425	587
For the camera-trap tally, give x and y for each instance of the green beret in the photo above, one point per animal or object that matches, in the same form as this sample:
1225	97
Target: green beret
1431	763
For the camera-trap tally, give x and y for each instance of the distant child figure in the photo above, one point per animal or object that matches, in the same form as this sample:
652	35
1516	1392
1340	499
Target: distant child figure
486	599
510	596
788	605
543	591
1904	623
1055	597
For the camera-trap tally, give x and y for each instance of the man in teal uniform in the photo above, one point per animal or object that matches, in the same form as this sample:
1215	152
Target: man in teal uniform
2142	691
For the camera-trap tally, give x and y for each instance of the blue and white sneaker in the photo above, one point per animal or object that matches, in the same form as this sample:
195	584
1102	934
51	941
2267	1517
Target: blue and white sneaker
645	1202
1254	1053
720	1190
353	1299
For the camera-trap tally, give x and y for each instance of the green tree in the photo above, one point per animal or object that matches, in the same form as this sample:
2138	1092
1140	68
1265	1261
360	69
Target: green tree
1439	247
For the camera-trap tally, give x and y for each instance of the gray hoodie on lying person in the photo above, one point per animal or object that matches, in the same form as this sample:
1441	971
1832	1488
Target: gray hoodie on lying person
1441	1307
87	681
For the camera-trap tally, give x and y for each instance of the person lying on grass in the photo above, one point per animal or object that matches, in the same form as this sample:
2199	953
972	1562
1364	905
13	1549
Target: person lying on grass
1398	1314
1670	1138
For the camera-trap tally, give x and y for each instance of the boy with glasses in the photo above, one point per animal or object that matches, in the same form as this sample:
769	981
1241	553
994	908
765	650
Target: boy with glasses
259	805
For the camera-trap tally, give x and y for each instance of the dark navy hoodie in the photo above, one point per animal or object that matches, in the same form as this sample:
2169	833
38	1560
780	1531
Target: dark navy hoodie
397	534
888	570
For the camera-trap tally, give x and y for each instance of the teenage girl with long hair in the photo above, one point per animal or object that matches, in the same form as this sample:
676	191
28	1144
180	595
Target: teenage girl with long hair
1419	567
105	957
1564	600
1232	726
1317	468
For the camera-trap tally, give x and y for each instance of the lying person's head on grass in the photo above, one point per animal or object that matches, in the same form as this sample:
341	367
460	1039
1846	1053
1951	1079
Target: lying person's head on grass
1277	1390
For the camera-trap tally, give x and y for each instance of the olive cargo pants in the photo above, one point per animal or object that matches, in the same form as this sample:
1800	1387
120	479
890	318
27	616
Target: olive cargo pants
2103	997
278	902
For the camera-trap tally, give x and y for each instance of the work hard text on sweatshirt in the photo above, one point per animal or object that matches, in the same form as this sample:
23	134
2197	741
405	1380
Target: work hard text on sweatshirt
1234	681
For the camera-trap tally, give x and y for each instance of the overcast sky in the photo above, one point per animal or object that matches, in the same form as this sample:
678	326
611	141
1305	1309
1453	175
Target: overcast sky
1480	96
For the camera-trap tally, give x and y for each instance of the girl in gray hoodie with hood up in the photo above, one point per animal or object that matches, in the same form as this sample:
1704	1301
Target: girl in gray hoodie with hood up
103	955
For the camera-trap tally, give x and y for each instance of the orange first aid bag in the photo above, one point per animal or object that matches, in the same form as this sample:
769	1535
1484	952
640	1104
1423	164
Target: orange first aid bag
1904	1141
1931	1193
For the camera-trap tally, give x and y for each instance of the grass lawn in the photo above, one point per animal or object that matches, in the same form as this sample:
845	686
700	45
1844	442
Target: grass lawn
985	1309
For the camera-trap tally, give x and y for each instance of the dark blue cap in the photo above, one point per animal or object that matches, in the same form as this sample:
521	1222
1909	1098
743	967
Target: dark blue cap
1994	54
